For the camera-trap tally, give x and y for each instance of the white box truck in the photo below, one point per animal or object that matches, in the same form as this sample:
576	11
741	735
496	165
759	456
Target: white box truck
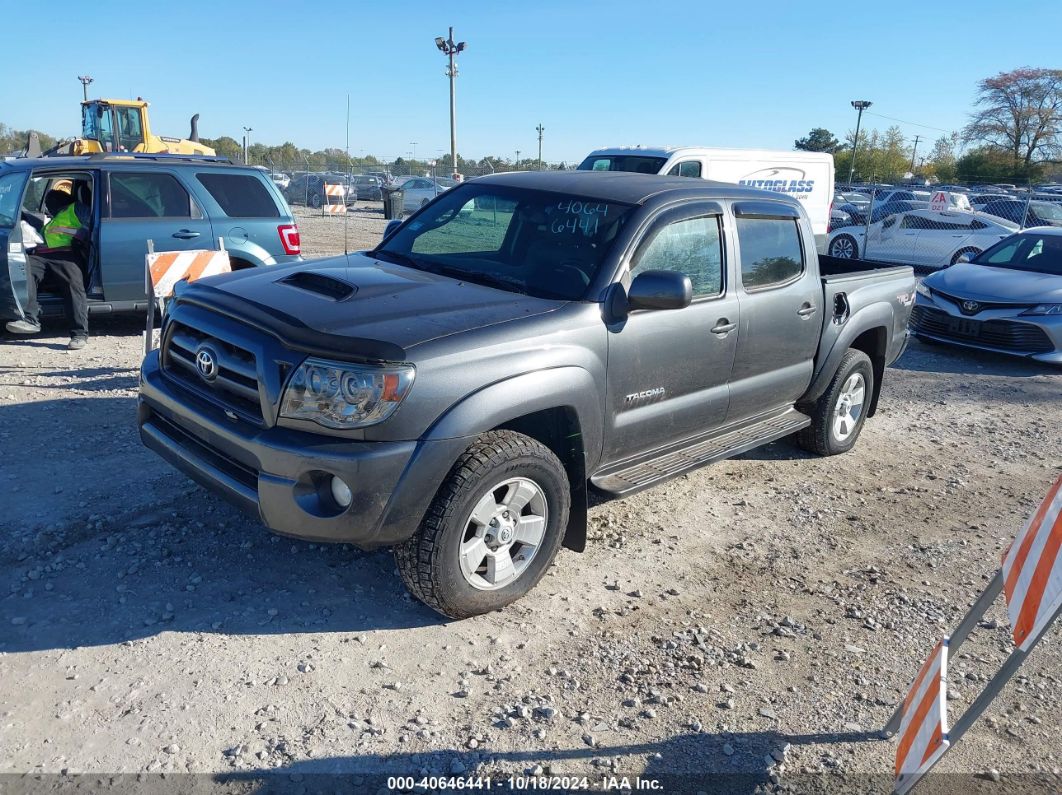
806	176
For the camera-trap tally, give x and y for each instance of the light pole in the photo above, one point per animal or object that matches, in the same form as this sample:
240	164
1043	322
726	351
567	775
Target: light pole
540	130
448	48
914	151
85	80
516	165
246	136
413	156
860	105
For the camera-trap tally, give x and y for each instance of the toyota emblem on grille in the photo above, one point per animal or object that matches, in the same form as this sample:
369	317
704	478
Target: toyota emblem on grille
206	362
971	307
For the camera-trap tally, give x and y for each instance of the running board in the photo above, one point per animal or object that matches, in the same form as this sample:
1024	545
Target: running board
673	461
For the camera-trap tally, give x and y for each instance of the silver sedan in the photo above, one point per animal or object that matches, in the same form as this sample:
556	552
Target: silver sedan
418	191
1008	299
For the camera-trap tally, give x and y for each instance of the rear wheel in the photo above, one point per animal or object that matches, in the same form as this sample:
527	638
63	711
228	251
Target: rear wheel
972	252
838	415
844	247
494	527
315	201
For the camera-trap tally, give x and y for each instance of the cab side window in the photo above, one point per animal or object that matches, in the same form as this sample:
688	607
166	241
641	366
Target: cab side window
148	195
771	251
693	247
691	168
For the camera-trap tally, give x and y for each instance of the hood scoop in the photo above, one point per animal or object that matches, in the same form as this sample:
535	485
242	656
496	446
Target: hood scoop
320	284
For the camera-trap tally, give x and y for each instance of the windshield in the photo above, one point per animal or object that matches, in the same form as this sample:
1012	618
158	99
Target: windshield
548	245
639	164
1047	210
1026	252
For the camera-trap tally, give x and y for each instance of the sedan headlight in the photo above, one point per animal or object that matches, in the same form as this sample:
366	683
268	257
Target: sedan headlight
1044	309
921	289
345	395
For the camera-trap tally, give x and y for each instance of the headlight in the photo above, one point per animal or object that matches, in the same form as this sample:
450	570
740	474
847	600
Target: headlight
921	289
1044	309
345	395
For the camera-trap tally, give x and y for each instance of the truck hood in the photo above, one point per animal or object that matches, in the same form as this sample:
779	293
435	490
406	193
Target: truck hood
1003	285
360	299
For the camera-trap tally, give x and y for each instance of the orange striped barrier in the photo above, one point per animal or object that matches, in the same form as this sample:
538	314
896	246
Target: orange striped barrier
924	722
169	267
335	202
1030	579
1032	571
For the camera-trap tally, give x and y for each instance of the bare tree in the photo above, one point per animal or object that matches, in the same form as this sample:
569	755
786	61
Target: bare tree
1019	112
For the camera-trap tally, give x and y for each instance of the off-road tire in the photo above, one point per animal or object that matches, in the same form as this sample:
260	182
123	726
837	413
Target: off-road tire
819	437
429	561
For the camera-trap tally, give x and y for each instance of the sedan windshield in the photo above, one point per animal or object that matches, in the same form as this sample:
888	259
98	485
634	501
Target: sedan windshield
1026	252
548	245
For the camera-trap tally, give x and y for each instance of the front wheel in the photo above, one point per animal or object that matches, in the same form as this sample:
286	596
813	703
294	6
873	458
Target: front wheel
492	531
844	247
838	415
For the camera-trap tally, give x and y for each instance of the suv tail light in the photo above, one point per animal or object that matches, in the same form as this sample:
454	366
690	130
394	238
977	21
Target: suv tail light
289	238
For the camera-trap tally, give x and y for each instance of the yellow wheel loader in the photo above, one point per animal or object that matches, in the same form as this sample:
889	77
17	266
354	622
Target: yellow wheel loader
121	125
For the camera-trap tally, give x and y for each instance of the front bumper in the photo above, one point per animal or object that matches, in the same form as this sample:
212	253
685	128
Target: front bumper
999	330
280	476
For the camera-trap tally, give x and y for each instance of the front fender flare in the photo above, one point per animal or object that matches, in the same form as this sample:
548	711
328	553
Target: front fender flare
877	315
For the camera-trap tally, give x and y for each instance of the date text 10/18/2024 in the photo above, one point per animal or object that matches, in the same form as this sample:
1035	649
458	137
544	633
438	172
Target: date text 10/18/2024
525	783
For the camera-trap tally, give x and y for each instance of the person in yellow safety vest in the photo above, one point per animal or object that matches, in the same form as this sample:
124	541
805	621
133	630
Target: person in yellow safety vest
58	257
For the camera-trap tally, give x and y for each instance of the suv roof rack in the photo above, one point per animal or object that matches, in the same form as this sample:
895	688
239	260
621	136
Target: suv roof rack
158	156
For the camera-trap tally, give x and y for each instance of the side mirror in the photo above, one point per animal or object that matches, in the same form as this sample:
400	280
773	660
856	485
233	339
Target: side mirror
392	225
967	257
660	290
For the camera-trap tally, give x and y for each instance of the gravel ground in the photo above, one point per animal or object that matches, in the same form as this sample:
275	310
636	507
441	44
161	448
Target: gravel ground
757	618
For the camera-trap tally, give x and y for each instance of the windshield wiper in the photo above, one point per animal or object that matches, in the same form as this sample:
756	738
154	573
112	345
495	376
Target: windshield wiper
399	259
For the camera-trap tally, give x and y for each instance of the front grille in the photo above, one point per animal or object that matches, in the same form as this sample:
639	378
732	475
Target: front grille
1002	334
983	305
236	384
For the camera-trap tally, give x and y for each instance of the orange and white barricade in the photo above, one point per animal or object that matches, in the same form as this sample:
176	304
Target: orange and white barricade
1031	580
335	199
163	269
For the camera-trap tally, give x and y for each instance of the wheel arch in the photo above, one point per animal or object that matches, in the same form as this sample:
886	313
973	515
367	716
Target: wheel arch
558	407
867	331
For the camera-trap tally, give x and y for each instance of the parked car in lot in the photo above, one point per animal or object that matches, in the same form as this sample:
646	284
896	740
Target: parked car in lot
178	202
308	189
979	200
858	216
280	180
1008	299
921	237
457	391
1033	213
418	191
367	188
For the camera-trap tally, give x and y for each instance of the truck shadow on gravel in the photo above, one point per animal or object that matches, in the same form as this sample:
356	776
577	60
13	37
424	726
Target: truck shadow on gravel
739	762
191	564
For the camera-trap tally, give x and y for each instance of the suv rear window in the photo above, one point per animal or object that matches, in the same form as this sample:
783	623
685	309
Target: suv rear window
240	195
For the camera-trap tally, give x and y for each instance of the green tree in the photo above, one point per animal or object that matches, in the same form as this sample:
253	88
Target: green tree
1019	112
991	164
818	140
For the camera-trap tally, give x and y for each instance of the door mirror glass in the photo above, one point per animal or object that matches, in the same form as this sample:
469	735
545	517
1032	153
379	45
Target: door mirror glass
965	257
660	290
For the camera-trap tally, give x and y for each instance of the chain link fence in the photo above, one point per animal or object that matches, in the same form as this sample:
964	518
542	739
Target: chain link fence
935	226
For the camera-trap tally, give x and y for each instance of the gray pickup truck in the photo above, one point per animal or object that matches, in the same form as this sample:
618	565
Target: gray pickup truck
522	340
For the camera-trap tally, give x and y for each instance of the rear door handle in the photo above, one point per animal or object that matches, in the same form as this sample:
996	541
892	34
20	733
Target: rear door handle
723	327
807	311
186	234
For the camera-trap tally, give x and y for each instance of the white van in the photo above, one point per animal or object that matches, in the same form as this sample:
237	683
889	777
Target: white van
806	176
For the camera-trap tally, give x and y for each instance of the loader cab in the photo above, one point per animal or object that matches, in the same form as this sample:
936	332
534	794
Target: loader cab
115	127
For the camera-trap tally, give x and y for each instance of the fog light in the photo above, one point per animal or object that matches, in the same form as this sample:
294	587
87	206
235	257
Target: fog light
341	493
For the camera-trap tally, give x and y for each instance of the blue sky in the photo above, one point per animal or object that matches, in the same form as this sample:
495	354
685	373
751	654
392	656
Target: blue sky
752	74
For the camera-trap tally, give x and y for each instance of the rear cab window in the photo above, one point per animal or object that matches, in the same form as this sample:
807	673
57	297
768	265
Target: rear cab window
772	251
240	195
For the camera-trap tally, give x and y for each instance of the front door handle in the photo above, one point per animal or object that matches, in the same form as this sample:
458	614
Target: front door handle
806	311
186	234
723	327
